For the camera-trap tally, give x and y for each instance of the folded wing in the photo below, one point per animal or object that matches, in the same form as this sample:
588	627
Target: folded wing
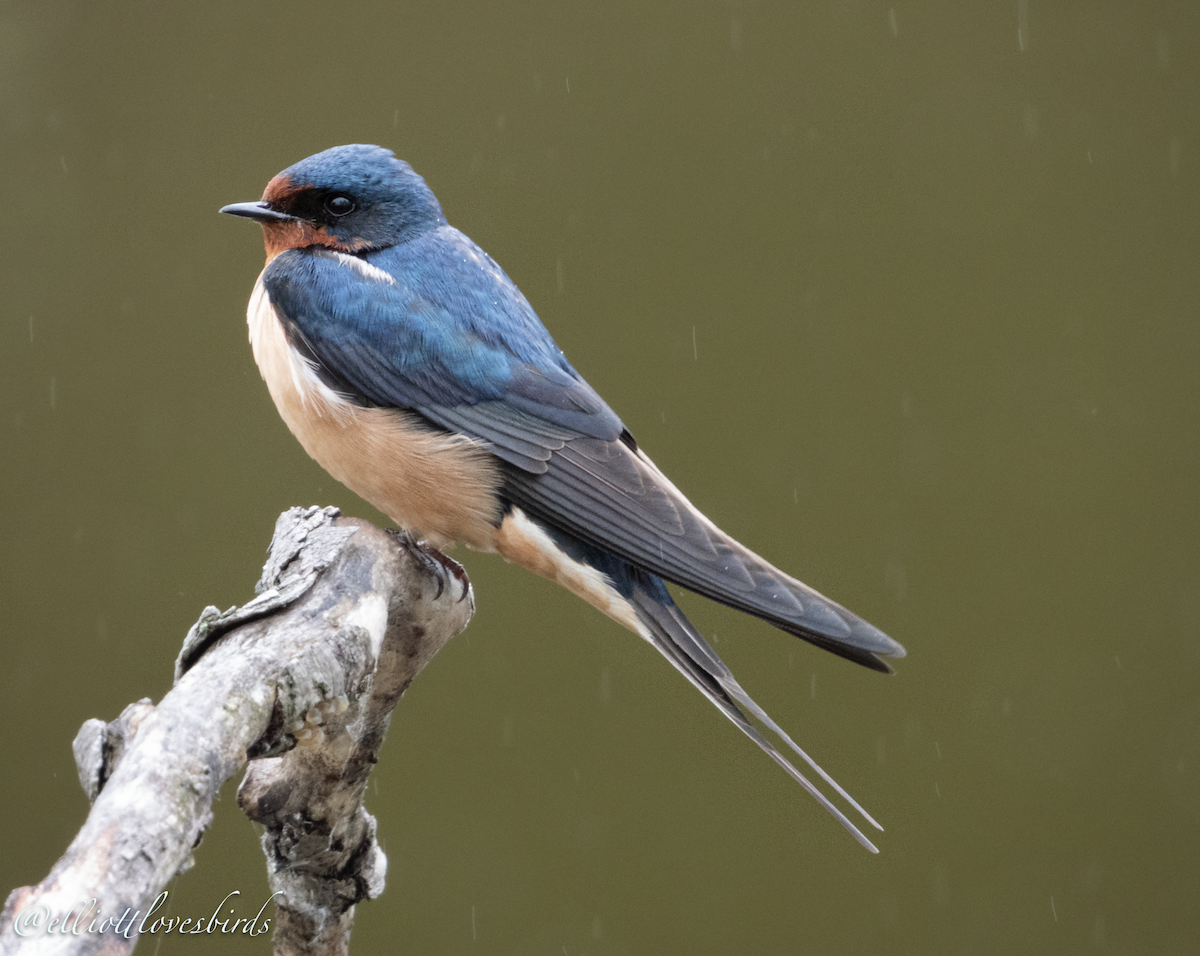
469	354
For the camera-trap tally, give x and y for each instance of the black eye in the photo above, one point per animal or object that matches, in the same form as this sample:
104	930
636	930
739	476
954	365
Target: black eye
338	206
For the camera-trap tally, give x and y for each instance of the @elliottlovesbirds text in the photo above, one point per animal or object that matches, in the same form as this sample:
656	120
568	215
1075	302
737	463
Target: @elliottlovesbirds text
86	917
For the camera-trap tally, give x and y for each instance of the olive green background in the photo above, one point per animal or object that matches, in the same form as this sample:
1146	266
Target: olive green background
903	296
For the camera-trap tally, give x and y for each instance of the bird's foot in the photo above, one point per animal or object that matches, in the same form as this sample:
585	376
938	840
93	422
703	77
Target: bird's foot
440	566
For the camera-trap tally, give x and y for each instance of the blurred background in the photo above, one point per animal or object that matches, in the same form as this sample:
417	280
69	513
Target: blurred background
903	295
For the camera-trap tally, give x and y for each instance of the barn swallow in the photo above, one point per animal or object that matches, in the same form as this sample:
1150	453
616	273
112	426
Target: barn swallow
416	373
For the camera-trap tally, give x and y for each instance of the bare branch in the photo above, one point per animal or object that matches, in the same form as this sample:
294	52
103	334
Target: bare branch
302	680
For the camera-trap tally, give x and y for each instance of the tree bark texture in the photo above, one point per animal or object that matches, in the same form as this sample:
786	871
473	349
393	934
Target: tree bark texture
300	682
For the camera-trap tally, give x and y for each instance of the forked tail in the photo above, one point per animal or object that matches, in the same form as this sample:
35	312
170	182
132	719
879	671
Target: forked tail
680	643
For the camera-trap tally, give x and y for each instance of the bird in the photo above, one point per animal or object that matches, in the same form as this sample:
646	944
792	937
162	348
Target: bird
413	370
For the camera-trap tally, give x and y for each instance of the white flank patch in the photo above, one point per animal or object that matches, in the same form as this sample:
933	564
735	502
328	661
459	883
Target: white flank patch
578	578
269	342
368	270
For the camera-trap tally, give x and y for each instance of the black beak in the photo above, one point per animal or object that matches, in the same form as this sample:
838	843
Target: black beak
261	211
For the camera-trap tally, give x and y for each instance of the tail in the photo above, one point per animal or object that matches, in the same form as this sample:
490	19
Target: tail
639	599
679	642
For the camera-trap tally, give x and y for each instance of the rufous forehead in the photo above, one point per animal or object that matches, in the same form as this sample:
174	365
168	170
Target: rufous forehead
280	188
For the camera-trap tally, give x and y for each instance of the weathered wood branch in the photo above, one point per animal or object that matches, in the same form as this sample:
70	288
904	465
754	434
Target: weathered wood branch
301	682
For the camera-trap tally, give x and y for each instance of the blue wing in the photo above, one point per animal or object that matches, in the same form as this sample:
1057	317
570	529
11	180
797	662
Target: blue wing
435	326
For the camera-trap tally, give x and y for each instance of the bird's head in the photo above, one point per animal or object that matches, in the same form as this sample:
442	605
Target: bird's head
350	198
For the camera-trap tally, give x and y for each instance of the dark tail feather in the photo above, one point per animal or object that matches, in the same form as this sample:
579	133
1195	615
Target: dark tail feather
680	643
